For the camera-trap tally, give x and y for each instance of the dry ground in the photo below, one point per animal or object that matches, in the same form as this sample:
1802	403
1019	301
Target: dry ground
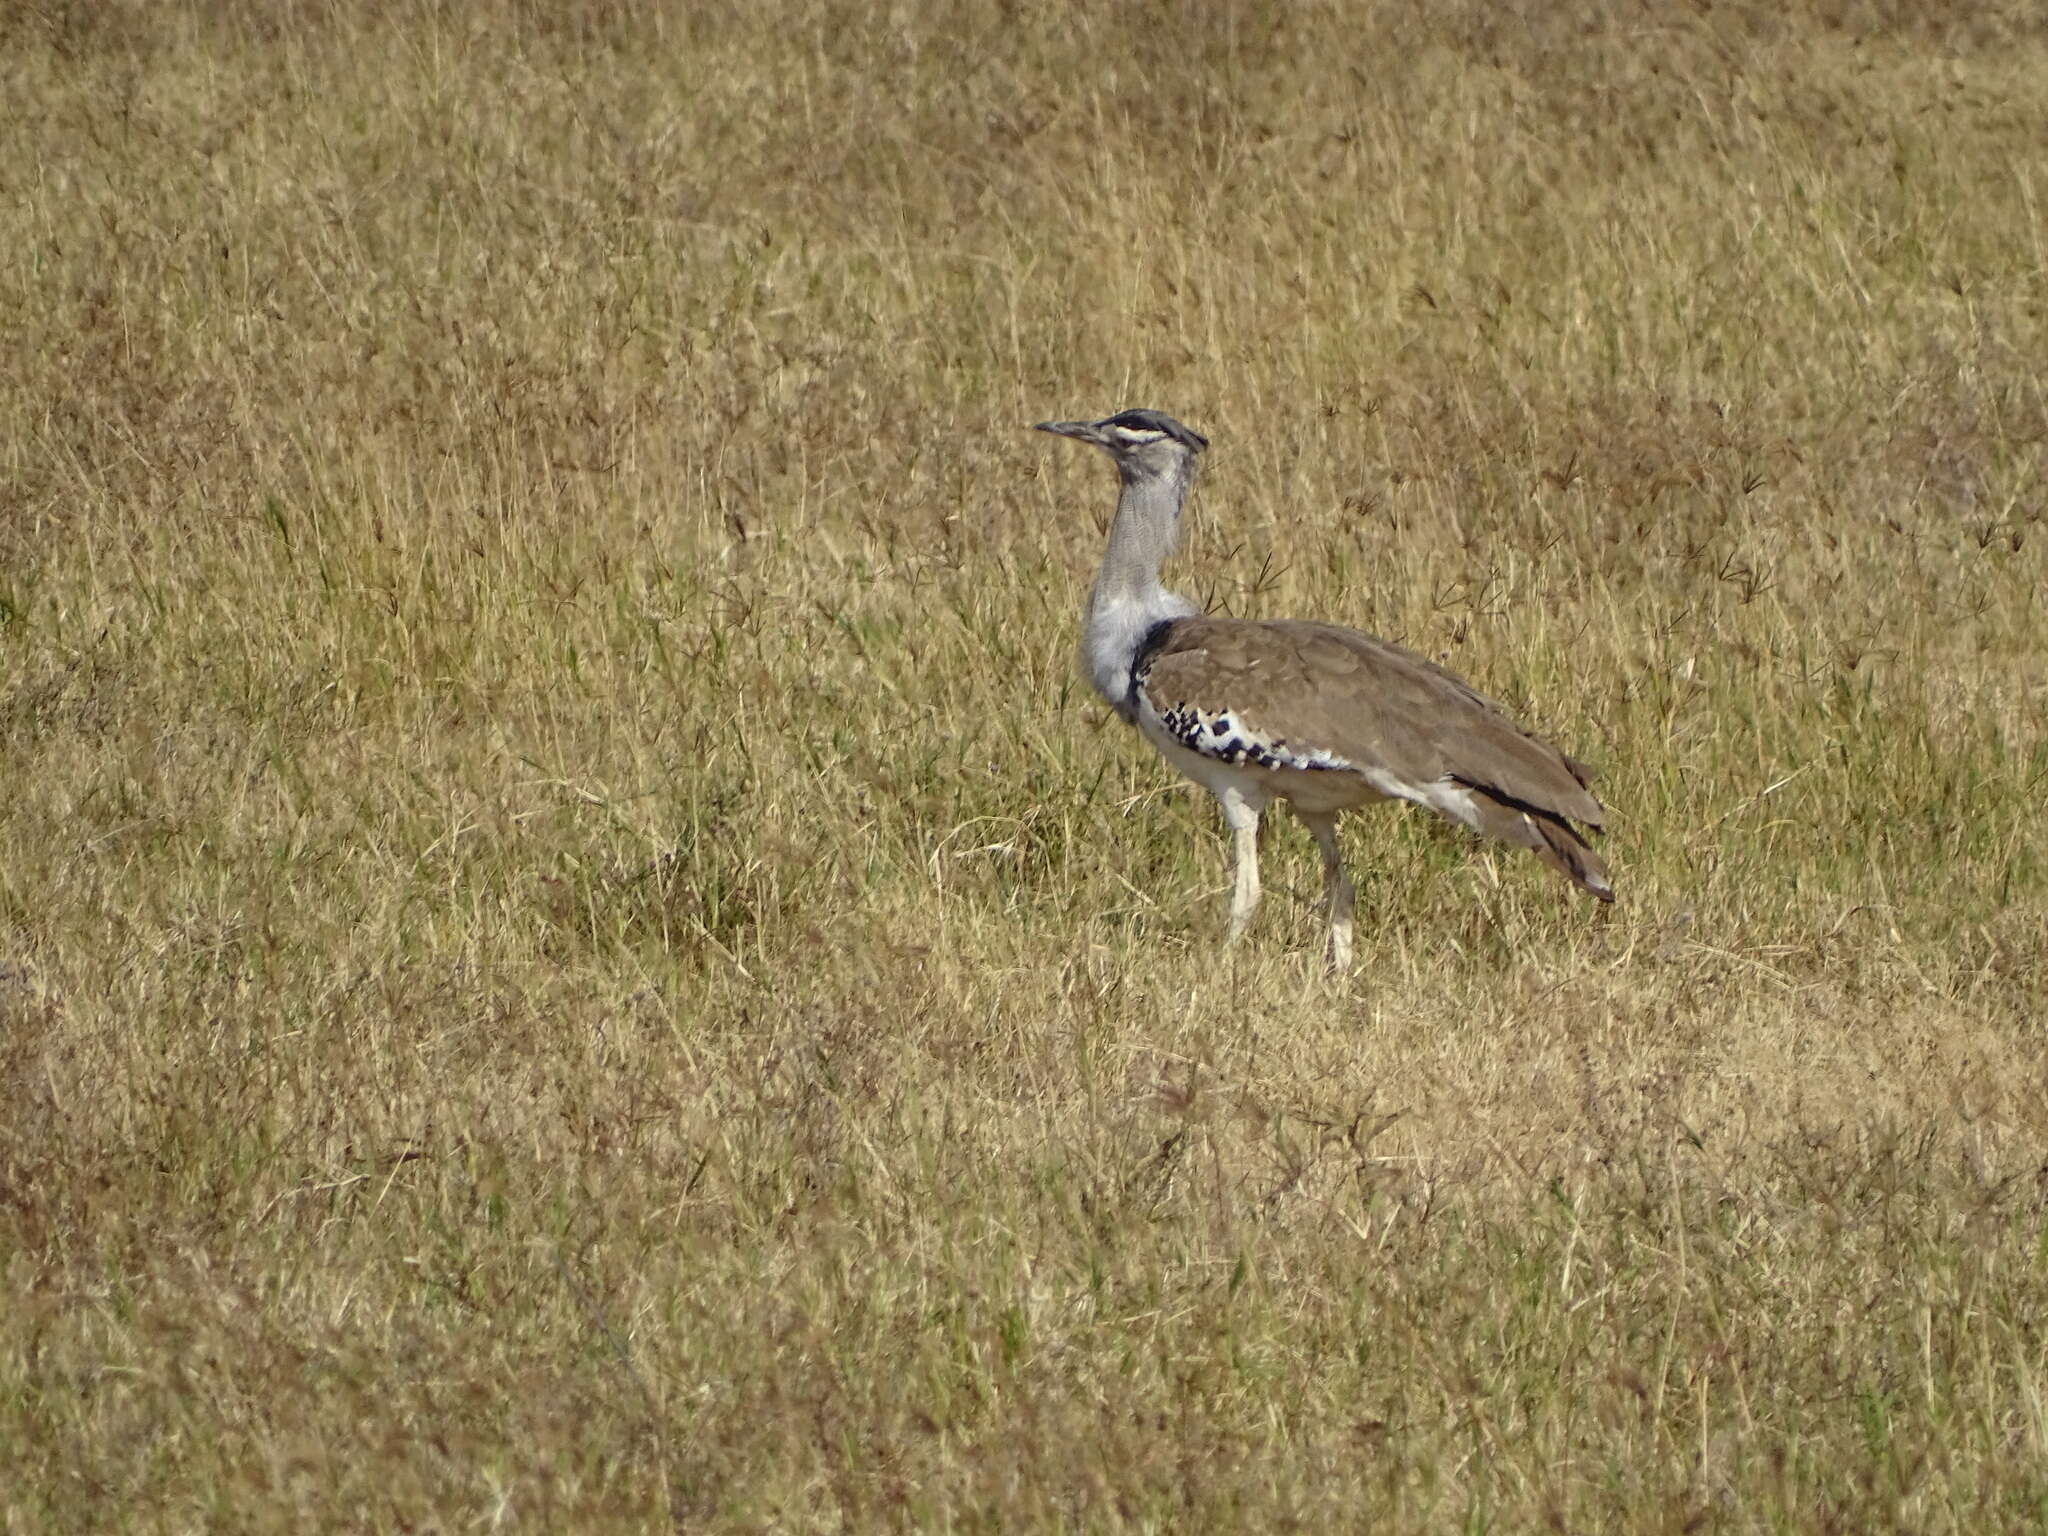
573	954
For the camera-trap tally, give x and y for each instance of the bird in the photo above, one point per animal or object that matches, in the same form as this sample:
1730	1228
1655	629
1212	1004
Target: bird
1323	717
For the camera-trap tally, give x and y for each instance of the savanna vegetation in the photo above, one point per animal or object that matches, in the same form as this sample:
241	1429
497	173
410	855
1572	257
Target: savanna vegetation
575	955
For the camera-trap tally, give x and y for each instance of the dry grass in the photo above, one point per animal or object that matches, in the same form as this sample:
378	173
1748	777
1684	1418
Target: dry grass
573	954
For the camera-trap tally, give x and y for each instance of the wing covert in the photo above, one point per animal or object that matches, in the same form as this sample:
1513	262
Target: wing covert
1320	697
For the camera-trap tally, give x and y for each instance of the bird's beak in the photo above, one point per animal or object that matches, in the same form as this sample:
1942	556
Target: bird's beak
1084	430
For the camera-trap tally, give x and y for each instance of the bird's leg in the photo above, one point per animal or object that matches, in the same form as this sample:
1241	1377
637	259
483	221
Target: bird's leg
1242	814
1244	894
1337	887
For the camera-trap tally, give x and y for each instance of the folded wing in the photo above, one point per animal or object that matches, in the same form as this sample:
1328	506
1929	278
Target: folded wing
1306	701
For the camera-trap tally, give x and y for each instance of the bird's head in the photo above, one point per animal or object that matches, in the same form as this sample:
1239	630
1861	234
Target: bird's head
1145	444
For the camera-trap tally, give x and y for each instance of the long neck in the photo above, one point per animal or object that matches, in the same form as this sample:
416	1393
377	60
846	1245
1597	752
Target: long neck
1146	529
1127	598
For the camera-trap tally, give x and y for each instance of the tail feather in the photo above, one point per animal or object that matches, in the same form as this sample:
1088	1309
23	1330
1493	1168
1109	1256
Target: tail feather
1552	839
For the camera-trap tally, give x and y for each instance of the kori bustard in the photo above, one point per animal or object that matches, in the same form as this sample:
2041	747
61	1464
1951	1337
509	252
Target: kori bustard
1323	717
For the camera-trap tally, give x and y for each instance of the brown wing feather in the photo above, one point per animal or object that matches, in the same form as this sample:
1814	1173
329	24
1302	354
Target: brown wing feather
1369	701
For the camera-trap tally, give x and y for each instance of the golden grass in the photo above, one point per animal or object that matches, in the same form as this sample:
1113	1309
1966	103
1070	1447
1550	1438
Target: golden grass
574	954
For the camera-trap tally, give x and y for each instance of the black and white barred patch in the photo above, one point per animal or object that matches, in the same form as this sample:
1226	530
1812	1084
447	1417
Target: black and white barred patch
1226	738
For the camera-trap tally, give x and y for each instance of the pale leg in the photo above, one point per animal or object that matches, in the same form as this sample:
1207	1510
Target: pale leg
1241	812
1337	887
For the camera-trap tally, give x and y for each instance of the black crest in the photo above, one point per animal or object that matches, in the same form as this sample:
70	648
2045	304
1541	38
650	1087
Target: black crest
1159	421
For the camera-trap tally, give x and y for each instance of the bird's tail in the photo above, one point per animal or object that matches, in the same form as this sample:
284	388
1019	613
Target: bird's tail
1551	838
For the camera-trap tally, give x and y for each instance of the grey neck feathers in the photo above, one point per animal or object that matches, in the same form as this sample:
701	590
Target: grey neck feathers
1127	599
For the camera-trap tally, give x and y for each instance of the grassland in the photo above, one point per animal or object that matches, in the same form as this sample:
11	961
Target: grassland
574	955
